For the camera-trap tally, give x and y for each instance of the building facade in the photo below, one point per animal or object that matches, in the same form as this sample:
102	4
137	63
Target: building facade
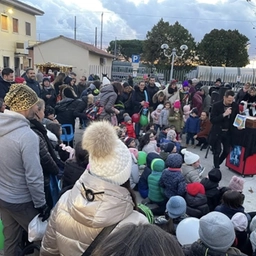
84	58
17	32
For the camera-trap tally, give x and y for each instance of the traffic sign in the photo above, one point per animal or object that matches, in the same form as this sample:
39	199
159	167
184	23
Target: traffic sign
135	66
135	58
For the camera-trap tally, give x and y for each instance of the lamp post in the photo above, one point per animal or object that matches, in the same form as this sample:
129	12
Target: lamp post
174	55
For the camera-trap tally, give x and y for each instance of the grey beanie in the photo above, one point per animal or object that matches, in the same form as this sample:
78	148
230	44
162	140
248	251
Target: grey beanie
216	231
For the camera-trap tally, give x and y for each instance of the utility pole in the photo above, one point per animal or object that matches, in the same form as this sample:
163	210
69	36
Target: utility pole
75	29
115	52
96	35
101	32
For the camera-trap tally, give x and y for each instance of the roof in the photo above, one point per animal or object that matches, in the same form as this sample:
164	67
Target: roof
88	47
22	7
54	64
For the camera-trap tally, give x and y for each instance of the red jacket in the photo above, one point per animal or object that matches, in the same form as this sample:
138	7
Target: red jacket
130	130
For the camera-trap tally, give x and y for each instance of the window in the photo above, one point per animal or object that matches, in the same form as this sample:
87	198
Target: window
15	25
29	62
6	62
28	29
4	22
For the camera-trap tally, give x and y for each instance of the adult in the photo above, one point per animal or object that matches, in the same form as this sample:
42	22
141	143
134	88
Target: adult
100	198
206	98
197	102
48	158
21	177
30	78
216	86
48	93
39	76
171	92
222	118
81	86
58	81
184	93
152	89
126	98
205	127
108	96
158	98
250	100
242	92
6	81
130	80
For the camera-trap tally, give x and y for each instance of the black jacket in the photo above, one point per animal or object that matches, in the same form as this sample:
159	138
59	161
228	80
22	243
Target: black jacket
217	120
4	87
196	205
81	107
34	85
151	92
137	97
49	101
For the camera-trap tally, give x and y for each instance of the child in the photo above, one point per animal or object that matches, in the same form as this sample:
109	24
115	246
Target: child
129	126
211	185
191	170
155	192
123	132
165	112
166	149
148	142
236	183
172	136
192	126
156	116
130	142
162	137
172	180
176	117
186	112
135	175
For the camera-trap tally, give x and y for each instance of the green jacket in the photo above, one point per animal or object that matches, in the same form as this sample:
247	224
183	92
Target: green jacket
155	192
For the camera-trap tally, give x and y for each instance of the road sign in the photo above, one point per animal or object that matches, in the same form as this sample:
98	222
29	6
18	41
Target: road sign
134	73
135	66
135	58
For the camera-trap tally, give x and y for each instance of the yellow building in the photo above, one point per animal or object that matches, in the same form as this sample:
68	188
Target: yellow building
17	32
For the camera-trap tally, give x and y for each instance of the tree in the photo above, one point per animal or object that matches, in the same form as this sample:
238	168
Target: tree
174	35
224	48
126	48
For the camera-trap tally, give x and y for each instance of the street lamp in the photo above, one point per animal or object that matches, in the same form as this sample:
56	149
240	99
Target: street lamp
174	55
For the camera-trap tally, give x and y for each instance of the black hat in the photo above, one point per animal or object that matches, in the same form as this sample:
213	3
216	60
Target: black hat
167	147
218	80
215	175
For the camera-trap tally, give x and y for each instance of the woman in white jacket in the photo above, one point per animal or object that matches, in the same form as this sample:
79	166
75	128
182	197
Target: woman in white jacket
100	198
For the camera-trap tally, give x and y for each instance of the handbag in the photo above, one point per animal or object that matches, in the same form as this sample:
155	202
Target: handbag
103	234
114	121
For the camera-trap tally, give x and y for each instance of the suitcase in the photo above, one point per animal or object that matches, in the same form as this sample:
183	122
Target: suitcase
250	122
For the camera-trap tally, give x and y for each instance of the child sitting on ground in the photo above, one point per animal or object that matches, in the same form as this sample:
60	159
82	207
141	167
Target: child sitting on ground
167	149
192	170
130	142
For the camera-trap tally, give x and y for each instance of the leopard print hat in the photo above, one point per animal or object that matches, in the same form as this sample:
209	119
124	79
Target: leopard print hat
20	97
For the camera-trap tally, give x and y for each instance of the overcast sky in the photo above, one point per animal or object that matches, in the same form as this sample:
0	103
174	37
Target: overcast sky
131	19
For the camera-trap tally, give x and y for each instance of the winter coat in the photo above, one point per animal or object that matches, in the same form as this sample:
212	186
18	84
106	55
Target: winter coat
173	182
205	127
199	249
108	98
81	107
171	97
197	102
228	211
75	222
156	117
155	192
151	90
137	97
57	87
127	100
48	158
155	100
80	88
240	96
192	125
34	85
49	101
212	193
249	99
206	99
64	110
179	123
130	130
72	172
151	147
190	173
164	117
217	120
4	87
143	181
135	175
161	137
196	205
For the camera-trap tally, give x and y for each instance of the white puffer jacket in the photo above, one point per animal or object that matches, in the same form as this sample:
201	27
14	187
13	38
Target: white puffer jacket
75	222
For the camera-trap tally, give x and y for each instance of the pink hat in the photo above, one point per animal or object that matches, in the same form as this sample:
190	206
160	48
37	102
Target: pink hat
236	183
176	104
134	151
19	80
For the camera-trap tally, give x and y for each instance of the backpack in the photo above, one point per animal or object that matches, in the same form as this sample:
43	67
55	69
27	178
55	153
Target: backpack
94	111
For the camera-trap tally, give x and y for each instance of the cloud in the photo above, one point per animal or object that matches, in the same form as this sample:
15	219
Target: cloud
129	19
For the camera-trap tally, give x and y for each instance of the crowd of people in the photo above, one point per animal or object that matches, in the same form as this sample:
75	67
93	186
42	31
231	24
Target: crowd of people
132	144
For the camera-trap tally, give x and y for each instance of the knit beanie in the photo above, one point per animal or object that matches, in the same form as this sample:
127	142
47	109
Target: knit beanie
109	158
253	240
176	207
127	117
176	104
240	221
189	157
19	80
215	175
186	109
160	106
20	97
236	183
195	188
253	224
157	165
174	160
185	83
167	147
216	231
128	141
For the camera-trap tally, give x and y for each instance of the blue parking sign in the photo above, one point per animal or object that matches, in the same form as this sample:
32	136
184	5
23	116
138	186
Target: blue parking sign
135	58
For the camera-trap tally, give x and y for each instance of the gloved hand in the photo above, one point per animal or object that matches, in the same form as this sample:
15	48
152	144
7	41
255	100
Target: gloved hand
44	211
